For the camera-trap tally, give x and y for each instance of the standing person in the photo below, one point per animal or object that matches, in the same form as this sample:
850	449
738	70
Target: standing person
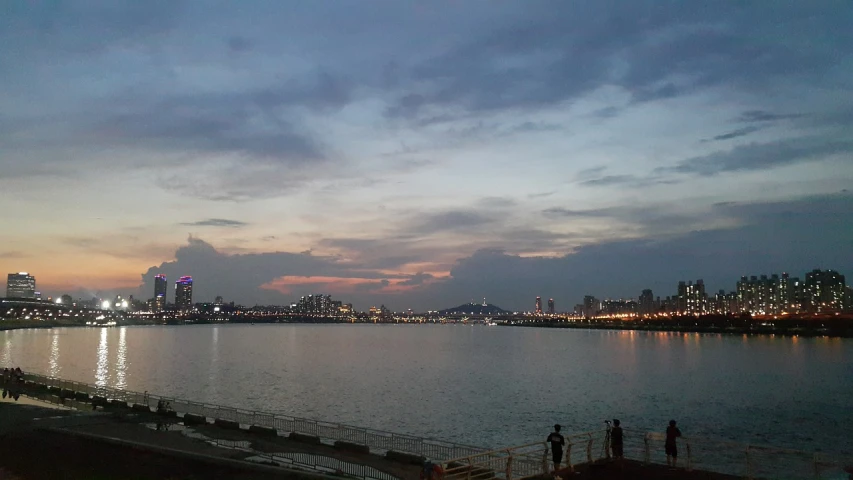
557	441
672	432
616	445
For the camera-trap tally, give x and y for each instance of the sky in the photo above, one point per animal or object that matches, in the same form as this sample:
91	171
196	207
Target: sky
423	154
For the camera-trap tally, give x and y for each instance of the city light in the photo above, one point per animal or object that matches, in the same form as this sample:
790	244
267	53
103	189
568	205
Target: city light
105	305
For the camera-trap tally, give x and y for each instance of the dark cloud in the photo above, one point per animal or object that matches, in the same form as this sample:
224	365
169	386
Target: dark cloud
627	180
216	222
763	116
760	156
541	194
741	132
570	50
239	44
761	245
417	279
451	220
241	276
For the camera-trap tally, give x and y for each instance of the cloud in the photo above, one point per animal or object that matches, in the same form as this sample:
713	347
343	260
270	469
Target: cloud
239	44
741	132
417	279
763	116
627	180
761	244
13	254
760	156
450	220
216	222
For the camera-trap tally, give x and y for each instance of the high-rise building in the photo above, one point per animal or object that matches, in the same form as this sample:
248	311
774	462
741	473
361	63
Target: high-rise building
824	291
20	285
767	296
160	287
591	306
551	308
646	303
184	293
692	299
538	305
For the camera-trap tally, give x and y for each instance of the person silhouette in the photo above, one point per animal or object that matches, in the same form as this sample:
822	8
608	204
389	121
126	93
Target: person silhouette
672	432
557	441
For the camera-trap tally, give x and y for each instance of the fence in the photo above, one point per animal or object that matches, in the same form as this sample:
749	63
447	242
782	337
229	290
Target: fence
379	441
746	461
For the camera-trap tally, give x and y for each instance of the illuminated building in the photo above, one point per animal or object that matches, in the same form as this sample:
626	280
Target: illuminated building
538	305
824	291
20	285
184	293
691	299
646	303
551	306
160	287
767	296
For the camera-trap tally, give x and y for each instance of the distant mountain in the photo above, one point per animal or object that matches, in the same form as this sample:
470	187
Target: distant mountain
474	309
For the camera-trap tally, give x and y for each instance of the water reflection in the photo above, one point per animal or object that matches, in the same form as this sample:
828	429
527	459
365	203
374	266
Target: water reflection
102	371
7	348
214	364
54	369
121	359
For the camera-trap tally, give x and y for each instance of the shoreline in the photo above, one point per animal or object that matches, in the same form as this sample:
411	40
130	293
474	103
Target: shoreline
835	331
750	330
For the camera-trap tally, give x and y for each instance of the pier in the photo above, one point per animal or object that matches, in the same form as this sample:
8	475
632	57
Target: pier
269	445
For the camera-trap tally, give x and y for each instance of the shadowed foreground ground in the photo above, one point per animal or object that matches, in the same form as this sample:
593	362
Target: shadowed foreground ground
37	443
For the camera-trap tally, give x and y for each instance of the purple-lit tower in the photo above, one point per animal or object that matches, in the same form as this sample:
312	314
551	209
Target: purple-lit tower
184	293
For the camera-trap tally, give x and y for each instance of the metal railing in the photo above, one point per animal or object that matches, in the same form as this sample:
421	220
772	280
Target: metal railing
379	441
746	461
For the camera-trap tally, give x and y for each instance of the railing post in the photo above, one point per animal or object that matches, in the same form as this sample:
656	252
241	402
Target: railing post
470	467
509	465
816	466
589	449
569	457
648	458
545	467
689	465
748	466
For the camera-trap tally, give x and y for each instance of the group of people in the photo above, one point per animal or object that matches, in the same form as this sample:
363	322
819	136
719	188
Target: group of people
13	382
163	407
616	443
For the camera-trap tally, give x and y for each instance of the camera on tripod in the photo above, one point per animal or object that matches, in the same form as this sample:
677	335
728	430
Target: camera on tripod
607	422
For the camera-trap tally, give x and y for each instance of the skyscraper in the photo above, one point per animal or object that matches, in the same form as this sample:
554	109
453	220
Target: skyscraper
21	285
184	293
551	308
538	304
160	287
647	303
824	291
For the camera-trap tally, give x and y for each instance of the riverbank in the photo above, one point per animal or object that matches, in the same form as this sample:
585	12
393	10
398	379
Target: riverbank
39	324
836	328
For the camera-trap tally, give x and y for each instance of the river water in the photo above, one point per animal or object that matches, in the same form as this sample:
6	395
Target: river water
480	385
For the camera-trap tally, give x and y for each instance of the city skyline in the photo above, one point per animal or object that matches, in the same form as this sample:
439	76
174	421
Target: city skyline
417	154
821	291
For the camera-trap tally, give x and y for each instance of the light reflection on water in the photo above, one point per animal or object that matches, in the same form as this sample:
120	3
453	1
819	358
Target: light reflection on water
102	374
54	369
493	386
121	359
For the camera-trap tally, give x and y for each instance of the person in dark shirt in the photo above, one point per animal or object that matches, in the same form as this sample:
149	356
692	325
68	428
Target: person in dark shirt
616	445
557	441
672	432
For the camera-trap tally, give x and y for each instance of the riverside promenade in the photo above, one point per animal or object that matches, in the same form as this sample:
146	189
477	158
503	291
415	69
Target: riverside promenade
99	431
